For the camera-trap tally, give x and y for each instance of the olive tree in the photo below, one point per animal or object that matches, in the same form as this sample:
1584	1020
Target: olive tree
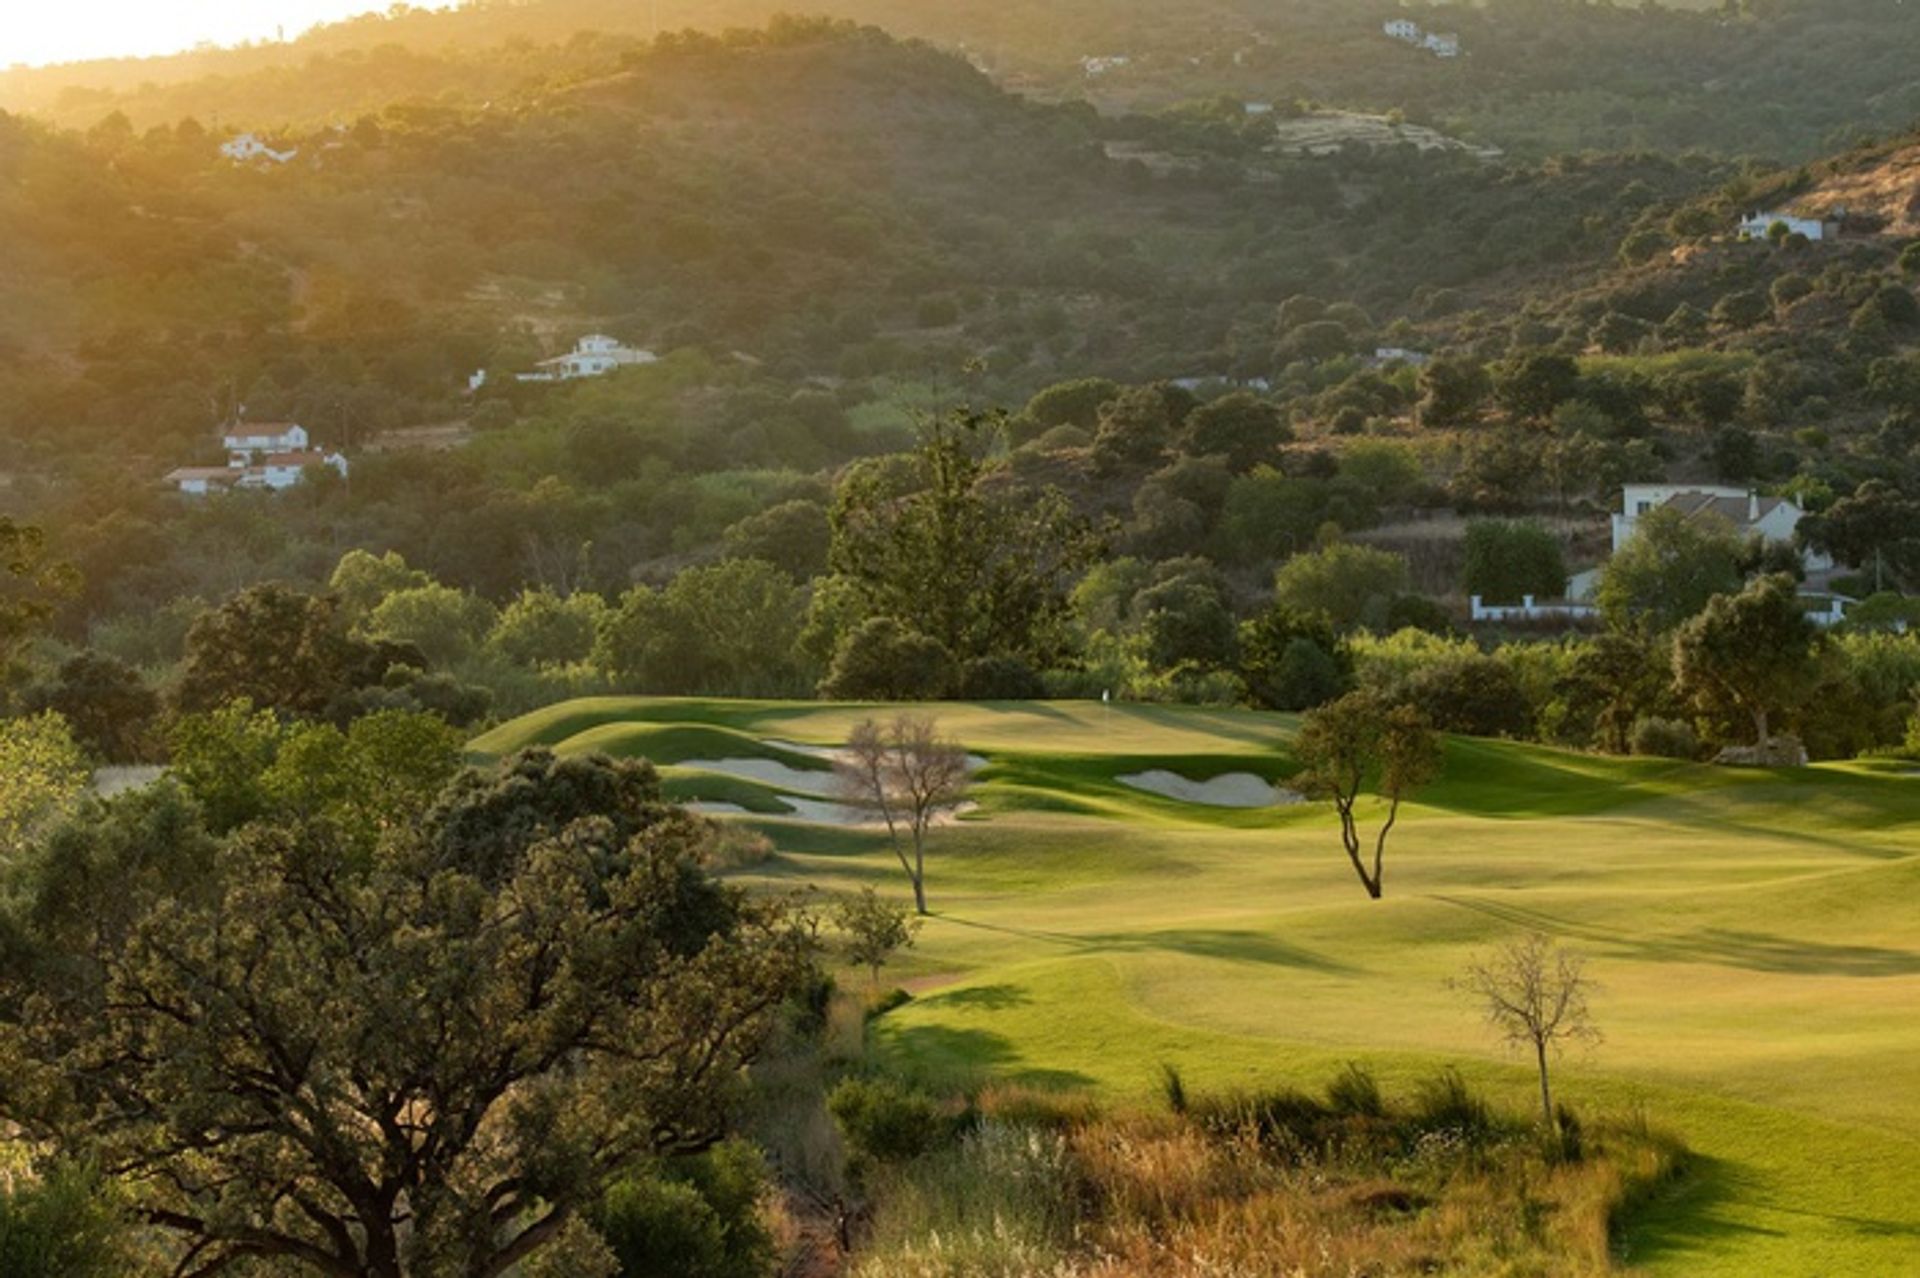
1359	743
874	929
1748	654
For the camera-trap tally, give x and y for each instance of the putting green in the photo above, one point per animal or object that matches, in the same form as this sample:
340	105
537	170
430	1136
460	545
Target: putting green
1755	933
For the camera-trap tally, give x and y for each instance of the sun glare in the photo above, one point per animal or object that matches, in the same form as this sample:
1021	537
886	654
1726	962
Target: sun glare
82	29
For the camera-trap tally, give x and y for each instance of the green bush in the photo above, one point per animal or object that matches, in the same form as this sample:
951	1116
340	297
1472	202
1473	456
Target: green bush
1478	696
1664	738
882	660
883	1121
694	1218
60	1226
1507	560
1305	676
1000	679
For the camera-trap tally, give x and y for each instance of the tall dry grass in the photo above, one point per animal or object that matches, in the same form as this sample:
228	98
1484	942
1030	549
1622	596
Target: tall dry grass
1275	1186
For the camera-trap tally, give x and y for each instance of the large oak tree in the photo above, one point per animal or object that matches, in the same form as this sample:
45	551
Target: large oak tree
423	1061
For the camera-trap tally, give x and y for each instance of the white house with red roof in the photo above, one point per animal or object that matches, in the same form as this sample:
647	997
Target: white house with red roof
260	455
246	441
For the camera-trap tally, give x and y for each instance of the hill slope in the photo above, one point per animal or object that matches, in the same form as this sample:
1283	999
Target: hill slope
1784	80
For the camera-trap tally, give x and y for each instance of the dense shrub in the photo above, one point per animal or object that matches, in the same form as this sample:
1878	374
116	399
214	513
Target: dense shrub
883	1121
1478	696
693	1218
1507	560
1305	676
61	1226
882	660
1000	679
1665	738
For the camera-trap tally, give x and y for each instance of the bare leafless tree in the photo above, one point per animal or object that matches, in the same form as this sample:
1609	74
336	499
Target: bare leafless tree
1535	994
909	776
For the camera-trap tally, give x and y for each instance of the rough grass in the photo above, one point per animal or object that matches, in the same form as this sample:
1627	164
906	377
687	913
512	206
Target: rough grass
1273	1184
1755	934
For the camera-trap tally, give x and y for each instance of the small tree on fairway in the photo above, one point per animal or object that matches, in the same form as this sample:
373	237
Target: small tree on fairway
875	929
1750	653
1363	738
1535	993
909	776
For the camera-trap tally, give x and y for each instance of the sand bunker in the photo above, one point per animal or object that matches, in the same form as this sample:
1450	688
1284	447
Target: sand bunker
708	807
809	791
831	754
811	751
1234	790
766	772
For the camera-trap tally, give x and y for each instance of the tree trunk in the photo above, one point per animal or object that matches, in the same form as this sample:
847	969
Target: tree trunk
1546	1094
919	872
1760	727
1350	839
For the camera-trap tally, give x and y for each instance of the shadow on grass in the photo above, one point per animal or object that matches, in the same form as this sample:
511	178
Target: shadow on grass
1754	951
990	998
943	1052
1688	1217
1232	944
1691	1217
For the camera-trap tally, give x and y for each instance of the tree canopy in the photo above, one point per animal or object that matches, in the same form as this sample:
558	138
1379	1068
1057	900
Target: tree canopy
421	1059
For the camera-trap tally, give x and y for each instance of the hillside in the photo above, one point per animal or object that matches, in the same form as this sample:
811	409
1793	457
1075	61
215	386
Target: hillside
1746	928
827	200
1784	80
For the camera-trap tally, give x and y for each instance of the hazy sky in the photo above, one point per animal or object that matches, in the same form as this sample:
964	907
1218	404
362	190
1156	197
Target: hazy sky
36	31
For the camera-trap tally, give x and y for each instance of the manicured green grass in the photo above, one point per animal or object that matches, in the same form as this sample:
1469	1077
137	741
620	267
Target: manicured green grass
1756	935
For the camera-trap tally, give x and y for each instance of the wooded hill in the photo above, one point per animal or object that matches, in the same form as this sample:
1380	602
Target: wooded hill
1785	79
827	200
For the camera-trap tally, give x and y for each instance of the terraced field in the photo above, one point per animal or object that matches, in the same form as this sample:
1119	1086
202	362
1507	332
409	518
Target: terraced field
1757	935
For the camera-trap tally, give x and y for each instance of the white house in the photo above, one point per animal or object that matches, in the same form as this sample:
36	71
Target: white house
1383	355
592	356
247	440
1407	31
260	455
1531	609
284	470
198	481
1754	226
1749	514
1102	65
247	148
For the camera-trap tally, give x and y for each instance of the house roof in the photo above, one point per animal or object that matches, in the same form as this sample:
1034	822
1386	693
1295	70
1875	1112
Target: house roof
1741	512
210	473
261	430
295	459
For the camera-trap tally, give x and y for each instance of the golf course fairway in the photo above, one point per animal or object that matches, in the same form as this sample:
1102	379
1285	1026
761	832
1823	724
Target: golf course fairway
1756	937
